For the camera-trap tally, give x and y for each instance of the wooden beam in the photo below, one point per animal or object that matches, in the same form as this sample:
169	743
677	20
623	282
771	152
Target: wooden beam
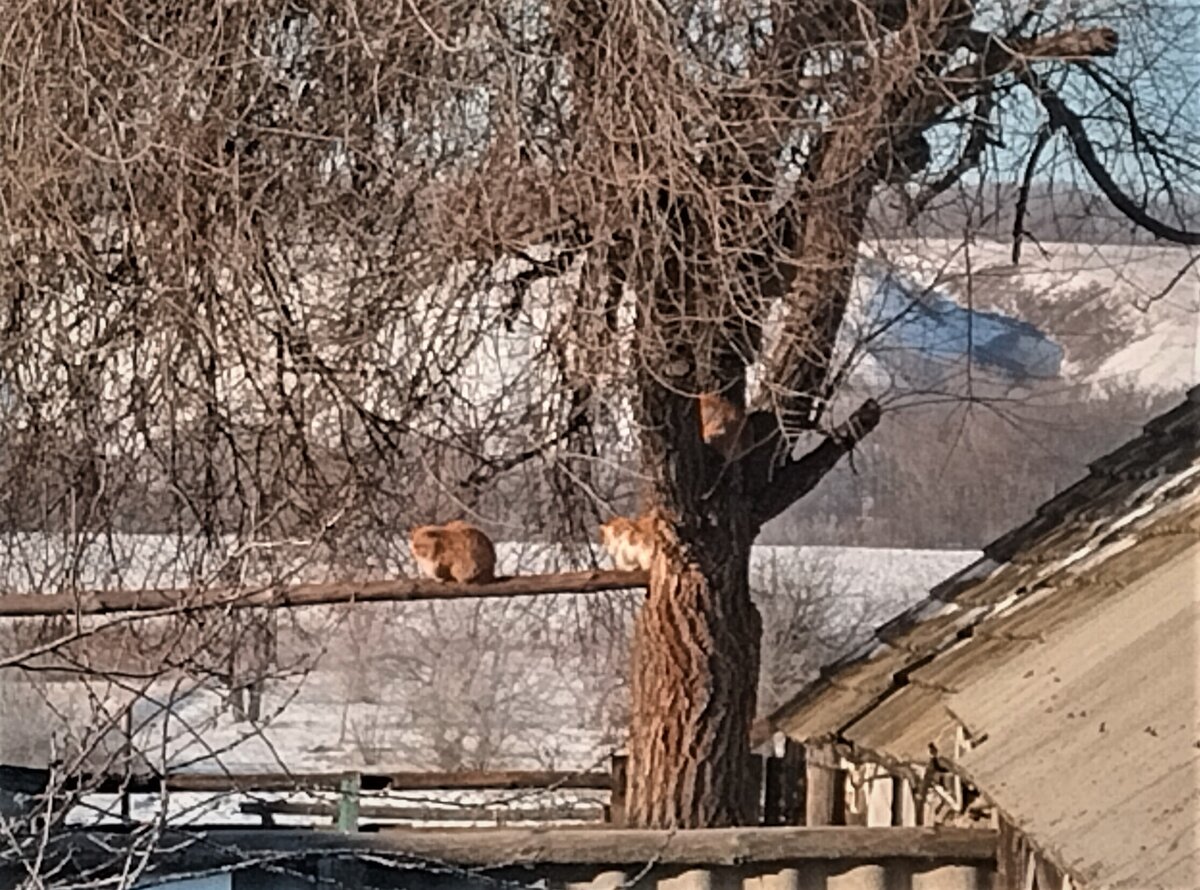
618	783
547	813
709	846
175	600
761	731
208	847
347	805
754	790
475	780
825	801
786	781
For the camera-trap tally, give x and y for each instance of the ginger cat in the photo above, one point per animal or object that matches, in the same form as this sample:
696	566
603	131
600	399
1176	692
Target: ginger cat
456	551
722	424
630	542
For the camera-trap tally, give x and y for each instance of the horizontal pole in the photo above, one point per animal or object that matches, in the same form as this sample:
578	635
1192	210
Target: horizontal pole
712	846
474	780
427	814
170	600
209	847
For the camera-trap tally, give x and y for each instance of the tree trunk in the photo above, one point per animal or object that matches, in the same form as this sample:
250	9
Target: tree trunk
695	673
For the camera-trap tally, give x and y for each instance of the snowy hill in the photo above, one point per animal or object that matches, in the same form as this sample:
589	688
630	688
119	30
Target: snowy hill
925	336
1087	316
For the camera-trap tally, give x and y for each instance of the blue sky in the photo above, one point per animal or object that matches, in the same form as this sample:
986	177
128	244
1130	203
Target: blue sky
1159	59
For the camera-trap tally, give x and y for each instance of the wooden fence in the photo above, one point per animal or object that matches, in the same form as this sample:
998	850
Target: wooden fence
777	792
798	788
473	780
580	858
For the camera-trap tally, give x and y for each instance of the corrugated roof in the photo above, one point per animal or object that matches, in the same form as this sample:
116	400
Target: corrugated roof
1092	741
1055	581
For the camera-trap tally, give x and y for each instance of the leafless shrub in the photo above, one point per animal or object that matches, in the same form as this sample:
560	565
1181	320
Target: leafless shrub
370	735
810	618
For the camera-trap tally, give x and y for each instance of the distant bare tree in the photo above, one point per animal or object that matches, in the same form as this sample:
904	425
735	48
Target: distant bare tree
487	684
809	620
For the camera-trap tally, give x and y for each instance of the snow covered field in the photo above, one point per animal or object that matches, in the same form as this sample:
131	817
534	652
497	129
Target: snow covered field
436	685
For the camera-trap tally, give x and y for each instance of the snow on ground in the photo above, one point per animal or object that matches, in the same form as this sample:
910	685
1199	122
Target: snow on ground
1166	358
513	683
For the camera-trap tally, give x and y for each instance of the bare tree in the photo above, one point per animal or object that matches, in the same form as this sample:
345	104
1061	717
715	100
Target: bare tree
478	685
809	620
307	272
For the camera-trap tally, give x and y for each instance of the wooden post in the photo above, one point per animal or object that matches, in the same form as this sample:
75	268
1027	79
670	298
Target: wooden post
1010	861
754	790
347	814
796	760
899	787
826	798
128	756
773	792
616	803
854	798
1048	874
786	786
785	781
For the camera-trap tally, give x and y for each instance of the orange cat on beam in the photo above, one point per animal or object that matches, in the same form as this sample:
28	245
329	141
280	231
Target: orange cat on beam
456	551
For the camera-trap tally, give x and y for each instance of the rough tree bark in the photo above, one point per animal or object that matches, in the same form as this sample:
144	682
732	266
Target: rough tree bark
696	656
698	636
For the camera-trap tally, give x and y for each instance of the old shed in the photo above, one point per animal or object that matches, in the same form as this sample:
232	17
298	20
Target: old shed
1051	687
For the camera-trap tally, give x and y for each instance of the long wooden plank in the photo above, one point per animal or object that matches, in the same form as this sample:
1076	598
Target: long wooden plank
507	847
102	602
546	813
476	780
713	846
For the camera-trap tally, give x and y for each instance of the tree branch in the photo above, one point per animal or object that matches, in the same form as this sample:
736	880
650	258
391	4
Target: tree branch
580	418
1062	117
798	477
841	179
978	140
1043	137
1073	45
571	244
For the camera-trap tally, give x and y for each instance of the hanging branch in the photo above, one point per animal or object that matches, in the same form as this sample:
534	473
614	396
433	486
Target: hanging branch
1043	137
1062	117
978	139
798	477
